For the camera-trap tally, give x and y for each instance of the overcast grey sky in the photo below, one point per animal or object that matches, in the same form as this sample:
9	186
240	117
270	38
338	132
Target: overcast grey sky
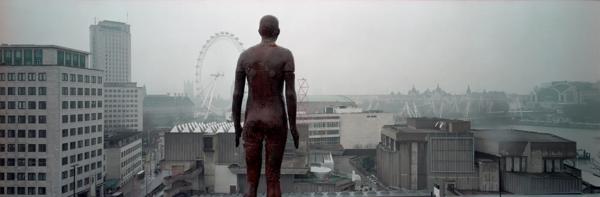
341	47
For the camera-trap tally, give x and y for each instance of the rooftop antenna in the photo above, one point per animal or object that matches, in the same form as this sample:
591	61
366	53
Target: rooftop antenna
126	17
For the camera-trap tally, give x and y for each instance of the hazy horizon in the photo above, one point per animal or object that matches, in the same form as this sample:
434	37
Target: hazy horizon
340	47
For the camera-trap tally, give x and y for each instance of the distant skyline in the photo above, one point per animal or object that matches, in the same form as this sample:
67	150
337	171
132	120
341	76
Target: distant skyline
341	47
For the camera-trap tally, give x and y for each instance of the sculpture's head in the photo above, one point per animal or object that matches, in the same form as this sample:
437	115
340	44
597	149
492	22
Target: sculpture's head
269	27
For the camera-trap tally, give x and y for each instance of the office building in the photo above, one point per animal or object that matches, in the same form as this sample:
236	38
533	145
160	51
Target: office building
51	125
123	106
110	46
531	162
123	152
427	152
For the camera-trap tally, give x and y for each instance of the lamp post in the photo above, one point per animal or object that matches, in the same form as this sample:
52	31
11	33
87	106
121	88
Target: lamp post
74	166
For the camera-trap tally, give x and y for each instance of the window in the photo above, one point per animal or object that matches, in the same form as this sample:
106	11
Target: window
41	162
41	76
20	104
31	91
65	132
37	56
32	104
11	77
31	148
21	133
67	59
42	120
42	148
65	104
42	90
21	76
41	175
42	133
30	76
2	90
31	176
30	190
31	162
65	91
10	91
65	77
21	91
60	58
31	119
42	105
21	190
31	134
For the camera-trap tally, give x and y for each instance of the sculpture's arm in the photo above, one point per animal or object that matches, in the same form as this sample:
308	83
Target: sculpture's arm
238	96
290	97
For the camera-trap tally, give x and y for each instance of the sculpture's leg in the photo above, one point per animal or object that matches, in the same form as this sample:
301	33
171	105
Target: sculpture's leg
253	148
274	152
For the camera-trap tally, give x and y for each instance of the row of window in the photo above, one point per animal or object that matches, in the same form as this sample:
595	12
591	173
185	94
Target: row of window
81	169
67	58
80	183
81	130
117	126
23	76
81	117
22	105
22	119
119	90
325	124
108	115
324	140
32	148
75	158
22	162
137	157
23	91
23	133
21	56
22	176
81	144
81	78
81	91
325	132
22	190
81	104
131	149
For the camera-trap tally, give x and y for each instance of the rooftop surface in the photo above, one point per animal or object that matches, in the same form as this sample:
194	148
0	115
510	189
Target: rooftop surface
41	46
328	98
517	135
115	136
200	127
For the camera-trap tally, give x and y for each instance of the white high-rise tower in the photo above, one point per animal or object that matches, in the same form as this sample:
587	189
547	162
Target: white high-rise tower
110	45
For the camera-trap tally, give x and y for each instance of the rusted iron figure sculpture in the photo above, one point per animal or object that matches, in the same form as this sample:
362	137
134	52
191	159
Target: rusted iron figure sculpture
266	67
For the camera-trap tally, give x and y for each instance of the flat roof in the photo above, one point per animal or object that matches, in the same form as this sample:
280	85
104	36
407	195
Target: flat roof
504	135
113	136
41	46
328	98
200	127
